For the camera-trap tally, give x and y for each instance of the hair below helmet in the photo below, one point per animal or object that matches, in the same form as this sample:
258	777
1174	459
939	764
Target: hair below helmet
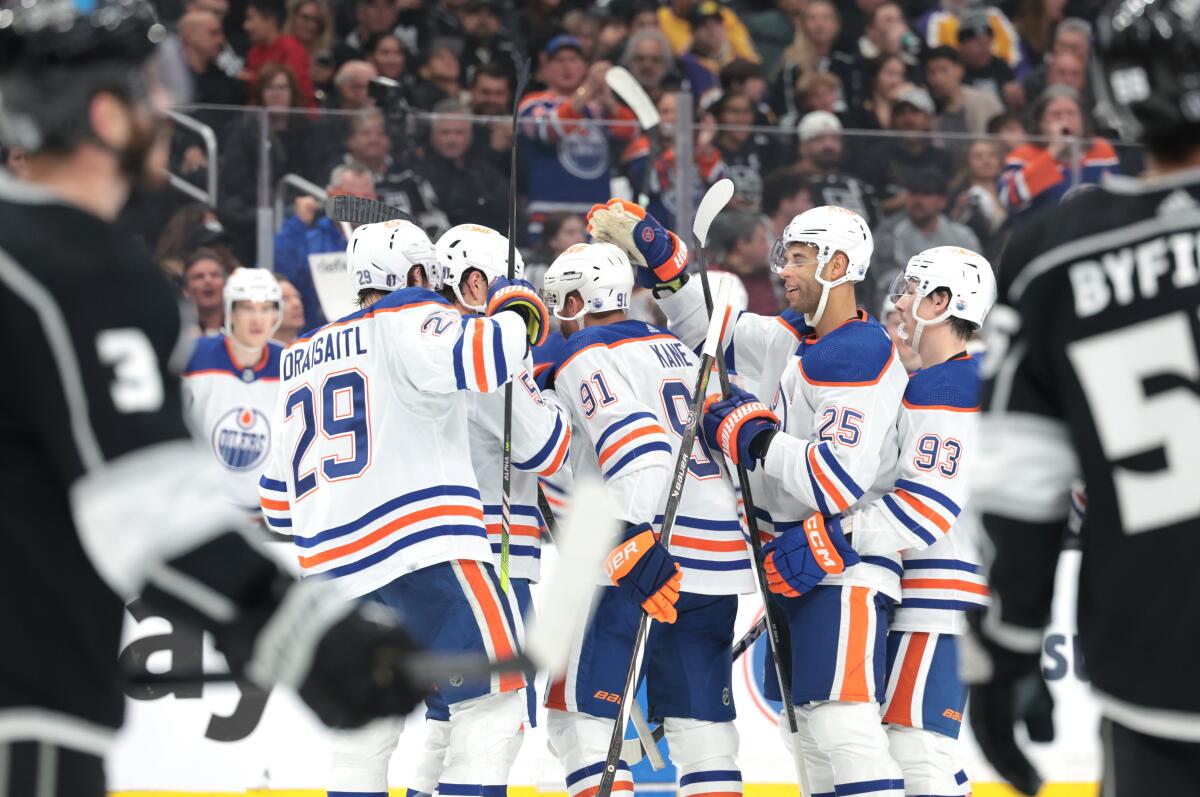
1147	71
252	285
601	273
380	256
473	246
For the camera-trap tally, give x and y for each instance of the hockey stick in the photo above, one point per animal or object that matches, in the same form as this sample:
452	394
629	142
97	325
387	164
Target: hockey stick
589	531
625	86
713	202
506	450
634	750
716	331
361	210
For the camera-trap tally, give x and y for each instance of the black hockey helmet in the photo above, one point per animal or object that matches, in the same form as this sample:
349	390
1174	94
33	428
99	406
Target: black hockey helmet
1148	81
56	54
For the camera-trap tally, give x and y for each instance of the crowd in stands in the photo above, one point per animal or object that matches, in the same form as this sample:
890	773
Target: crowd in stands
942	121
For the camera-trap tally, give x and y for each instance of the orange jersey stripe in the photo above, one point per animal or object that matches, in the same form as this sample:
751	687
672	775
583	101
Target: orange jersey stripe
634	435
900	709
825	482
557	462
278	506
516	531
494	618
945	407
944	583
477	352
923	510
388	528
717	546
854	677
620	785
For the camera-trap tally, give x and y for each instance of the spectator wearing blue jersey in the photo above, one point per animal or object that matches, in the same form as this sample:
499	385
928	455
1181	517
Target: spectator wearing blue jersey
309	233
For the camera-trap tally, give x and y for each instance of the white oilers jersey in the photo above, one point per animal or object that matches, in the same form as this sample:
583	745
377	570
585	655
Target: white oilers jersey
922	515
757	347
541	442
628	387
838	403
230	409
370	469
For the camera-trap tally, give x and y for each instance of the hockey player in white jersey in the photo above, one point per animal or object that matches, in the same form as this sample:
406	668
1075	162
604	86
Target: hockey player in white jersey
833	439
943	296
628	387
372	468
231	383
470	258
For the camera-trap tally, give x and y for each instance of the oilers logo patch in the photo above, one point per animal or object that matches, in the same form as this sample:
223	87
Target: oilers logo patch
241	438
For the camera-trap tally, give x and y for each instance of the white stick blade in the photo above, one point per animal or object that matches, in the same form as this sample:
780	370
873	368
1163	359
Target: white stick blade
584	538
714	201
625	86
719	321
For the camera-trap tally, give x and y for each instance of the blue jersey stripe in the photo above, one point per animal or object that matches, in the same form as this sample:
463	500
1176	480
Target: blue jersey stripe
535	462
514	509
618	425
519	550
271	484
884	562
385	508
460	374
937	603
706	564
403	542
498	352
279	523
909	523
710	776
836	467
634	454
928	492
700	523
940	564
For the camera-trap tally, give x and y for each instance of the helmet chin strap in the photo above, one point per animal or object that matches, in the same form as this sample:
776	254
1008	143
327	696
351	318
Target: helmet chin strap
915	345
826	287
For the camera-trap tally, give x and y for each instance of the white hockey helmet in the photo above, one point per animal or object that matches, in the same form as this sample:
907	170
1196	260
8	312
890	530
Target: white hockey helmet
252	285
600	272
467	246
965	274
739	299
829	229
380	255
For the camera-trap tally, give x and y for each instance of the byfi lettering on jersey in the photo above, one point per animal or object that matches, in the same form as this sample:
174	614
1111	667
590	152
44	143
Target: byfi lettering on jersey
1134	272
671	355
323	347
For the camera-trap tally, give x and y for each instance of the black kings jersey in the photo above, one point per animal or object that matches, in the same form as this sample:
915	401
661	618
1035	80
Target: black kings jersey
1094	373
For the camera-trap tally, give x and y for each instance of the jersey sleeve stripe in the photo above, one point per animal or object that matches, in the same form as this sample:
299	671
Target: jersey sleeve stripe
477	356
912	525
342	551
498	357
945	583
613	448
940	564
552	441
621	424
460	374
272	484
929	492
818	492
826	485
945	407
634	454
560	457
278	523
516	530
276	506
839	471
923	510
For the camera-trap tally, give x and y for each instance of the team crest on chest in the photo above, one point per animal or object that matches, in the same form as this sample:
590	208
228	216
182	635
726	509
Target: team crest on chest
241	438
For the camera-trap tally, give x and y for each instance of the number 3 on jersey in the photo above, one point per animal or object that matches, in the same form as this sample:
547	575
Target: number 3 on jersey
344	412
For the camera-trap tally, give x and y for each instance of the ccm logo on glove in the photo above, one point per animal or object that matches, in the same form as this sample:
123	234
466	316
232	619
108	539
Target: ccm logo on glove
818	541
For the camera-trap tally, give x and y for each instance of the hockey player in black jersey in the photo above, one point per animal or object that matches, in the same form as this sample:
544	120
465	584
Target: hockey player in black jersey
1094	372
104	497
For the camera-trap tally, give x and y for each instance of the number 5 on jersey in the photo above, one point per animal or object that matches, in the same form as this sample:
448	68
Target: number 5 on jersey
344	412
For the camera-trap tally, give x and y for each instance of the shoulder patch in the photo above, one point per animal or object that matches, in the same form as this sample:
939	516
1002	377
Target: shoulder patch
856	353
210	354
952	385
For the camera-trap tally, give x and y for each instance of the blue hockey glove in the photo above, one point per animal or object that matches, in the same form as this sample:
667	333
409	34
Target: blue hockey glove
646	573
799	559
522	298
733	424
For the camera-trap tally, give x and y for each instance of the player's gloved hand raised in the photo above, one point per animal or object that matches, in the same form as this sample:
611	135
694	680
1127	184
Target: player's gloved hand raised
521	298
648	244
736	424
646	573
799	559
1007	687
346	661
